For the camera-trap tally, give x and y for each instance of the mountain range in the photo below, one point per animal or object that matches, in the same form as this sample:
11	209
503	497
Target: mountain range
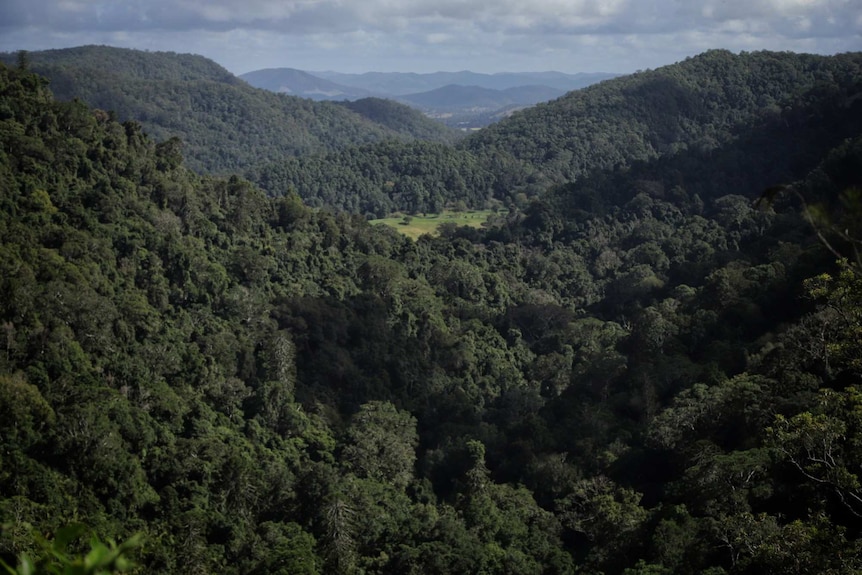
349	154
402	83
461	99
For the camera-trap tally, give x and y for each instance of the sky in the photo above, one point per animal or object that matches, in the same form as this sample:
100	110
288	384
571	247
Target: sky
487	36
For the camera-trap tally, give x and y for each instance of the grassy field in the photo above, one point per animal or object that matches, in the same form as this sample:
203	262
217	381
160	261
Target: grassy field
429	223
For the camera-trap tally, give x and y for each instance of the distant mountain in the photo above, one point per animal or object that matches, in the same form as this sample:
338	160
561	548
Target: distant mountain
402	84
398	116
472	107
401	119
461	99
302	84
224	123
711	125
455	96
476	98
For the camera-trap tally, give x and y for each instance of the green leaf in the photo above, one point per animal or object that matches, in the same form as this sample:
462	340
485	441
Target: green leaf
66	535
99	555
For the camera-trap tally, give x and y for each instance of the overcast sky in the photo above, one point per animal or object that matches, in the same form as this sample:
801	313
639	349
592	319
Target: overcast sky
431	35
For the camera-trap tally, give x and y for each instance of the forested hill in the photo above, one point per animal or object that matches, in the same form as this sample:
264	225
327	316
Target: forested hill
669	386
716	121
125	64
225	124
778	110
698	104
401	119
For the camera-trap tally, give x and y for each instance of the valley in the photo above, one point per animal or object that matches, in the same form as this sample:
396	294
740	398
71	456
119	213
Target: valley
248	332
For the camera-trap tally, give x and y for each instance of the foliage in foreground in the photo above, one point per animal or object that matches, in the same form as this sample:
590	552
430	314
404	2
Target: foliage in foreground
55	558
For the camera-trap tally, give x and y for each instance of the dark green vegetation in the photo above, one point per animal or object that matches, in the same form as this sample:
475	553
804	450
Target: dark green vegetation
700	105
638	371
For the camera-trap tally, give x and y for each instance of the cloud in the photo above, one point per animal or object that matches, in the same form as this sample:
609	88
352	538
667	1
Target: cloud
339	16
627	32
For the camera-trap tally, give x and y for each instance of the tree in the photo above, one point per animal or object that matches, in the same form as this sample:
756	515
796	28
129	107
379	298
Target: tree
823	446
381	444
23	60
607	516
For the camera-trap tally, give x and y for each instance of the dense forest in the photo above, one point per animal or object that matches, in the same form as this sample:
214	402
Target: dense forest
649	364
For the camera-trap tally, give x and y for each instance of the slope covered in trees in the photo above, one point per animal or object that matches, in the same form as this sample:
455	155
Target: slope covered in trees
699	104
780	111
401	119
712	122
379	179
667	384
224	124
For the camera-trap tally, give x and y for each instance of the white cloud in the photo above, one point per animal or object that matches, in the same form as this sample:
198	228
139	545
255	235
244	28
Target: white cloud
487	35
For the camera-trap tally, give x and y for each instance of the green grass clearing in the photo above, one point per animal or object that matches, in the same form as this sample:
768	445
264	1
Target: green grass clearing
429	223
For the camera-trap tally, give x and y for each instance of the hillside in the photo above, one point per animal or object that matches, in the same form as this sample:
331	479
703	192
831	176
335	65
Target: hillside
402	119
460	99
532	94
698	104
257	387
755	139
302	84
129	64
379	179
472	107
454	97
400	83
224	124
